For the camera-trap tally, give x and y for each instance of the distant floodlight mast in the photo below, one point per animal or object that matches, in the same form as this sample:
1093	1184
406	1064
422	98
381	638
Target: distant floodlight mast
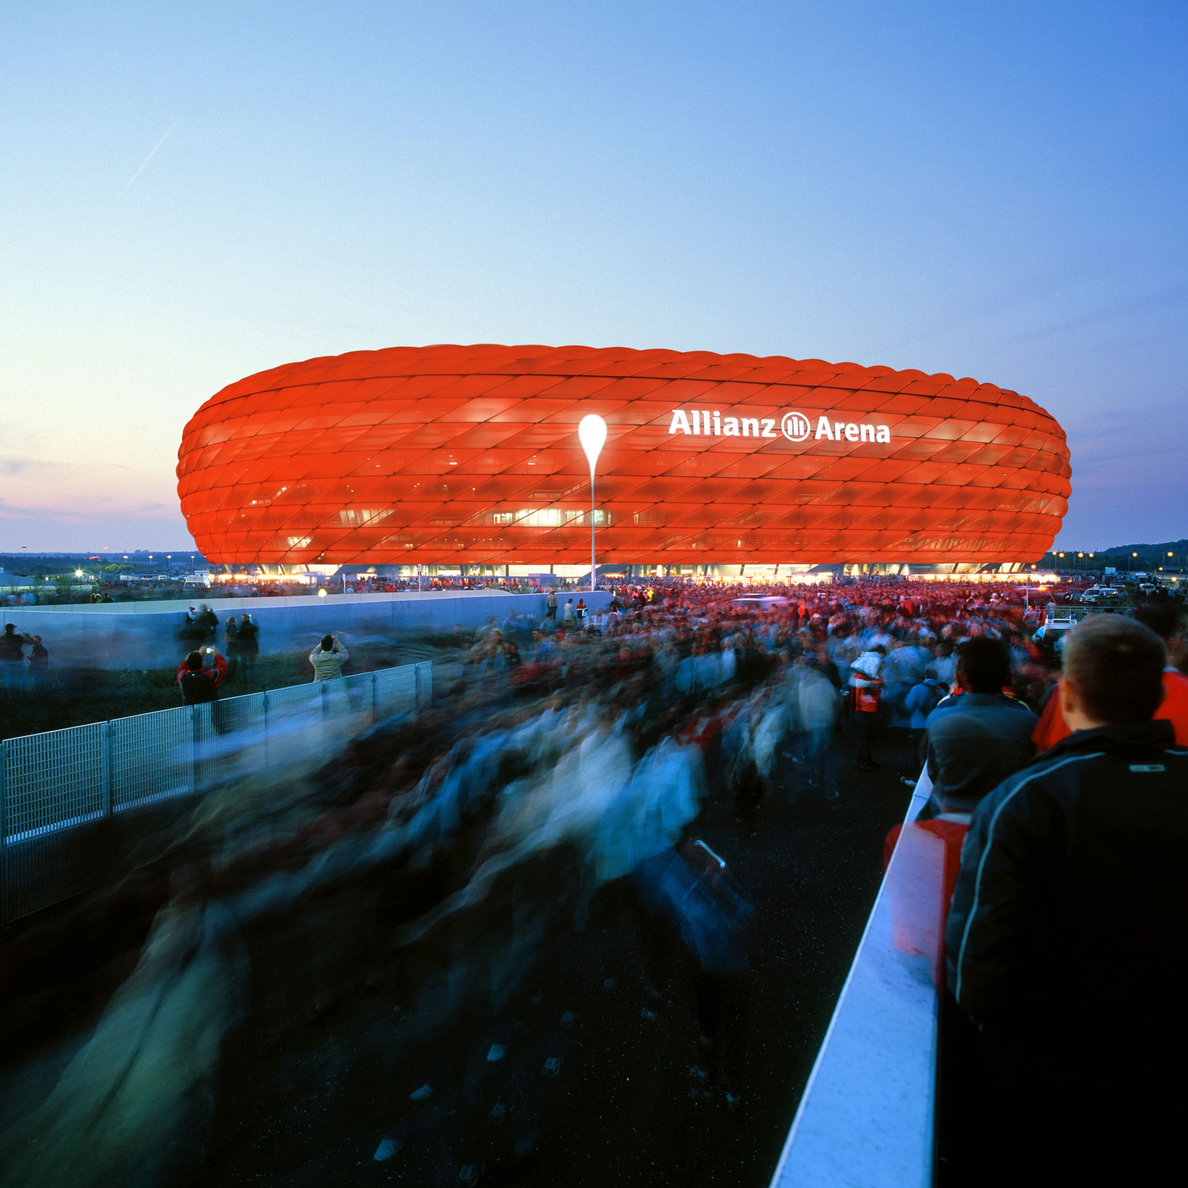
592	435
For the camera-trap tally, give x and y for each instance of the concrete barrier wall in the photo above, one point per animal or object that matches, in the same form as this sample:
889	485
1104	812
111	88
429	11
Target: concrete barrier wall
141	635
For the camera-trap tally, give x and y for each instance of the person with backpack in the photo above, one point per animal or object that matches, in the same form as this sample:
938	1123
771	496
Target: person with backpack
919	703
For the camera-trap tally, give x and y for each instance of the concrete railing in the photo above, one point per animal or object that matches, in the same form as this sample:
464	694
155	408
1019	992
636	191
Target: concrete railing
81	806
866	1116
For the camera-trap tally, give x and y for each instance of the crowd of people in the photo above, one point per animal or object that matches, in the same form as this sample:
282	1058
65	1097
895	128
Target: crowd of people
22	673
586	742
203	672
887	648
1063	771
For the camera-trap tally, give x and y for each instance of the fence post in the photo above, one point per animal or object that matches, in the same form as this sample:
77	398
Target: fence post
416	687
193	750
374	707
3	833
109	774
264	728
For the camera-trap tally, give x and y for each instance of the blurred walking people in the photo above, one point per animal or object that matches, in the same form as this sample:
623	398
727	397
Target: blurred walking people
817	702
248	639
200	675
192	634
12	658
501	811
207	620
1065	941
231	645
328	658
866	685
38	665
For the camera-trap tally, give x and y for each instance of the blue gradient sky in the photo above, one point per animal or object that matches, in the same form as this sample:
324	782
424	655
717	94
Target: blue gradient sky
995	190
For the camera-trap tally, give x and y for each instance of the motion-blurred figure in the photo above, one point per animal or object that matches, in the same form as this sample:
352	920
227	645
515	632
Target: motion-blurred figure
12	658
38	665
207	620
231	645
248	638
867	684
817	700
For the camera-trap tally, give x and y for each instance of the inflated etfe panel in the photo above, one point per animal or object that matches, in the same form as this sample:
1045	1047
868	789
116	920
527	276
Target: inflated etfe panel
470	454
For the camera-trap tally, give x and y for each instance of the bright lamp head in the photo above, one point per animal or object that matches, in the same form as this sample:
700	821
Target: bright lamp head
592	435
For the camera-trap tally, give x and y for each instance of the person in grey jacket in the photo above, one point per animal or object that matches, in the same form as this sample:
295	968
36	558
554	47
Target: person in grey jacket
977	739
1065	938
328	658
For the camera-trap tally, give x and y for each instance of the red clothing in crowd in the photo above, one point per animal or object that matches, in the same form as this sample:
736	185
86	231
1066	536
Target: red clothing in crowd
214	674
1052	726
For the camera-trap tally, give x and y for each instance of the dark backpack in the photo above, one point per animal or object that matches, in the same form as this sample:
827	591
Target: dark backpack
199	686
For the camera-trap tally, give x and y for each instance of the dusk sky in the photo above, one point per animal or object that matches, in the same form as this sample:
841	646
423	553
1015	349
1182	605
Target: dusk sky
189	194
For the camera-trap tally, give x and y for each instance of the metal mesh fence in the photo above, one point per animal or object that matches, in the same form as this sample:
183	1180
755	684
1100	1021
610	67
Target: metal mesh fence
294	732
80	806
396	689
53	780
151	757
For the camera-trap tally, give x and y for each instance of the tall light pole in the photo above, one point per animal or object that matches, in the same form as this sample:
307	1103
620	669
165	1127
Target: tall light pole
592	435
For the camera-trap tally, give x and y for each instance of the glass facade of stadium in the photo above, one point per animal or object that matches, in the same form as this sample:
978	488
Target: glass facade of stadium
451	457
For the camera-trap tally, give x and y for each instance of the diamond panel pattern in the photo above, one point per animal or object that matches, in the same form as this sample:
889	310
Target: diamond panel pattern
469	454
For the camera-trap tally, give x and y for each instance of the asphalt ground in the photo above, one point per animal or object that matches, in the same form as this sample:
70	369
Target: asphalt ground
352	1050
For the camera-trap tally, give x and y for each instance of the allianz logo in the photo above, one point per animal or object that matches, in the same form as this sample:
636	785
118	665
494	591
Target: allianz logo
795	426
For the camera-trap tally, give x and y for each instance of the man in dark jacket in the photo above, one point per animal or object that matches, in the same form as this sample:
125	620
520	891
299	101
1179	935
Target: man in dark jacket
1066	937
207	620
231	644
977	739
248	638
38	665
12	658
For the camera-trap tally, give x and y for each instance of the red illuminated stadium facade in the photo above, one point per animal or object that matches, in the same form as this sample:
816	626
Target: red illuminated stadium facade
469	455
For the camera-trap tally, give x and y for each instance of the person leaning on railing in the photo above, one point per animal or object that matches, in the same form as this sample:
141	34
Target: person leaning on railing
1066	936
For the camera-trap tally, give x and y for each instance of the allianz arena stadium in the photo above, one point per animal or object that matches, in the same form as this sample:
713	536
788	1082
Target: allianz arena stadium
470	455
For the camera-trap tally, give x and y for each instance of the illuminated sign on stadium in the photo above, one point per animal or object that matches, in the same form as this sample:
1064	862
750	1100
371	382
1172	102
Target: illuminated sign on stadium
795	426
470	454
